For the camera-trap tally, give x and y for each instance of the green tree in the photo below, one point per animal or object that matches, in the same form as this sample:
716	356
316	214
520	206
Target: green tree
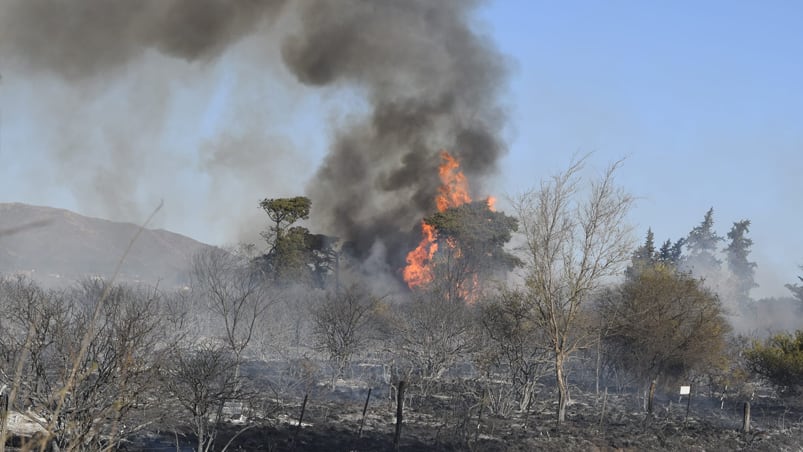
671	254
737	251
471	240
295	255
797	289
643	257
703	243
283	212
780	361
663	324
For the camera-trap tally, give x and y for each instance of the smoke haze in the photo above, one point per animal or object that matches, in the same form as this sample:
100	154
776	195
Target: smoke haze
110	85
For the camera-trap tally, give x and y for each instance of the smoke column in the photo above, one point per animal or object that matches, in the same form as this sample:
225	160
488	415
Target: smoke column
429	79
432	84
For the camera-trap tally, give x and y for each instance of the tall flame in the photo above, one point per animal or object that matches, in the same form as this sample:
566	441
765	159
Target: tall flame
453	192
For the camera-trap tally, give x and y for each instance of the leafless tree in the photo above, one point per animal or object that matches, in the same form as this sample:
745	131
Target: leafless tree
432	334
202	380
574	241
115	368
342	325
515	343
235	293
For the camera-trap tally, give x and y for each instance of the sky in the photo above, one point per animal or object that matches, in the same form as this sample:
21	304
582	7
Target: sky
703	100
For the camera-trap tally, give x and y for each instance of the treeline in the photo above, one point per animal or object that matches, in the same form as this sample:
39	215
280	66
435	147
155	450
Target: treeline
573	301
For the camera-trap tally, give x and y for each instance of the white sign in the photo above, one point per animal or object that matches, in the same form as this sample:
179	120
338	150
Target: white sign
685	390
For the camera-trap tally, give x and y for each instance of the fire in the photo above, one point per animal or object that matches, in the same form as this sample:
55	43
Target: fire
491	201
417	271
453	192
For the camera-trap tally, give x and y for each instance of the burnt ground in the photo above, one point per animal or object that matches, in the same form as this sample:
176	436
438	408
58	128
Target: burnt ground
455	423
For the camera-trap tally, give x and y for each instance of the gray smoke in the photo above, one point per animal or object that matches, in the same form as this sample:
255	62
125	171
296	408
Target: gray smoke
89	38
432	83
429	79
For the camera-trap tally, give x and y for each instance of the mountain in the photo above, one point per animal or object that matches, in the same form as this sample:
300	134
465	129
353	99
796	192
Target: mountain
56	246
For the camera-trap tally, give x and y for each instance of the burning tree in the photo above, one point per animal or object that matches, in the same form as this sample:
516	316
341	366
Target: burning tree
572	245
463	243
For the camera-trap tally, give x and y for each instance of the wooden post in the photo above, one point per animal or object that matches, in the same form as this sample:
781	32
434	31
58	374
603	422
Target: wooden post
364	409
300	418
479	415
746	419
604	400
4	404
399	415
688	406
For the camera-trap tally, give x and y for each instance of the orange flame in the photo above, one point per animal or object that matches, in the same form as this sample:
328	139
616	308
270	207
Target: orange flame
453	192
418	272
491	201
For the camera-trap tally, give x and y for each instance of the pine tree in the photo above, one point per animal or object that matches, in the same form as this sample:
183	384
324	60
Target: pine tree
737	251
643	257
797	289
702	244
670	253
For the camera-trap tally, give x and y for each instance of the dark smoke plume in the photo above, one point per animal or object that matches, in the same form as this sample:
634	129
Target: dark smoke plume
430	80
432	83
87	38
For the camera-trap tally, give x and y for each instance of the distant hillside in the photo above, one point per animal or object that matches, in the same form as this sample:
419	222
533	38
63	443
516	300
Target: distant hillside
57	246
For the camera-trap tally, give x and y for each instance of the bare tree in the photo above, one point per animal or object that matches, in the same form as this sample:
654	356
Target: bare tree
341	325
235	293
432	334
573	242
202	380
516	342
115	370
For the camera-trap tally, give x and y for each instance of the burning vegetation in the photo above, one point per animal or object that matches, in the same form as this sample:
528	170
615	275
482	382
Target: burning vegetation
332	316
447	230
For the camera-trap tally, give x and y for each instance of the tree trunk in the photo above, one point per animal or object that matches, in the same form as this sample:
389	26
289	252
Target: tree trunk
563	390
201	435
598	363
528	391
651	397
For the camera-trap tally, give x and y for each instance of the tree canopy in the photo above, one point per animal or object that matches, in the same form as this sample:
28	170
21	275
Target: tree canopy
703	244
741	268
295	255
780	361
480	233
663	323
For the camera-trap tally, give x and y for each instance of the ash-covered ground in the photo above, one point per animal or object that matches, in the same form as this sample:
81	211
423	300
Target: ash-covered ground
457	415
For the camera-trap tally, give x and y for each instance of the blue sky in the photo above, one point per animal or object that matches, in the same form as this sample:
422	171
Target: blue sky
703	99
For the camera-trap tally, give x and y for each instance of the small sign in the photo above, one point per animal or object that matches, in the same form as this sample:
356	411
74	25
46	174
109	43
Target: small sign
685	390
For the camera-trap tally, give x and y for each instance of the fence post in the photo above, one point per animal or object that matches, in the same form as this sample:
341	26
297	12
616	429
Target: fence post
479	415
746	418
300	419
364	409
4	405
399	414
651	398
688	406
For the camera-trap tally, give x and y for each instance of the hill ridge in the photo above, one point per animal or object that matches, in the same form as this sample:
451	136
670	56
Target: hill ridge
60	246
